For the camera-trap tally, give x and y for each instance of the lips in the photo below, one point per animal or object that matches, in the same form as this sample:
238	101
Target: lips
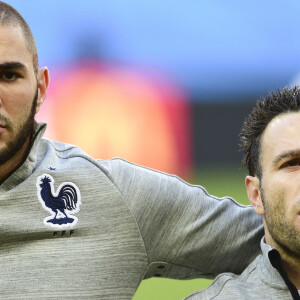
2	128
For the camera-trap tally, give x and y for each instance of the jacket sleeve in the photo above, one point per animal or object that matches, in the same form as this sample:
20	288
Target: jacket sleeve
187	232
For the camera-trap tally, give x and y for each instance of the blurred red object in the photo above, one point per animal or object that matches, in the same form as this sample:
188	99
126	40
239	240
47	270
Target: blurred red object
114	112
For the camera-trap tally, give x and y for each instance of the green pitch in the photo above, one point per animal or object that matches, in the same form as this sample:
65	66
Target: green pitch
226	181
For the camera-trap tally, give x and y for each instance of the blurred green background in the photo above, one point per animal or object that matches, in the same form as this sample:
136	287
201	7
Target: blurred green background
222	181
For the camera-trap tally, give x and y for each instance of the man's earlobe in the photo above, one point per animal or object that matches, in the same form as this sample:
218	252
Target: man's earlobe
254	194
43	82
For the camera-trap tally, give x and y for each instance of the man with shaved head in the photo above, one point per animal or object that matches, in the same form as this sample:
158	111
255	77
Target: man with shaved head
79	228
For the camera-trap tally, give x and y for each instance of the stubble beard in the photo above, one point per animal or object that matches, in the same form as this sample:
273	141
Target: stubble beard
24	131
282	230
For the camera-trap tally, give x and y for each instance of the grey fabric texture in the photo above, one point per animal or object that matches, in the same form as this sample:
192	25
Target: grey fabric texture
259	281
133	223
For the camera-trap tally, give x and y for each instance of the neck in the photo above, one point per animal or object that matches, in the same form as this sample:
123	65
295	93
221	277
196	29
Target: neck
291	266
12	163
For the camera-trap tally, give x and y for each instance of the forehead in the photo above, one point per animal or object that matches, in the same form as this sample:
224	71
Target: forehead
13	46
281	135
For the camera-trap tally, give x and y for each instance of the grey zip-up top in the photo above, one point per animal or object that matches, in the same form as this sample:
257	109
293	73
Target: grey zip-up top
263	279
73	227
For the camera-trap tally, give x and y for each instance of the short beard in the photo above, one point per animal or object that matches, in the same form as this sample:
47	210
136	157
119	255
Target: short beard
26	130
283	233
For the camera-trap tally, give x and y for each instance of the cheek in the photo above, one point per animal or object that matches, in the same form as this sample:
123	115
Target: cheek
281	193
18	103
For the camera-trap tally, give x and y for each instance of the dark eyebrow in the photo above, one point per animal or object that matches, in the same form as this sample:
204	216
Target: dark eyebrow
12	65
286	155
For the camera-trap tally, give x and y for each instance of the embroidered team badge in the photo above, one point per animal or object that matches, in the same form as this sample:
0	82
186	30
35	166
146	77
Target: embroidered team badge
61	204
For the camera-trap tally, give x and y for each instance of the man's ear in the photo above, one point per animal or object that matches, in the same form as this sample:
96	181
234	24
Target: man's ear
43	82
254	195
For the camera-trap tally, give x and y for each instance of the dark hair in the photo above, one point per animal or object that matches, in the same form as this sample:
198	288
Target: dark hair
276	103
10	17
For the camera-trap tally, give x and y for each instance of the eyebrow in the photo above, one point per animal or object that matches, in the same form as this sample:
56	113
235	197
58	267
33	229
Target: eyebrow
12	65
285	155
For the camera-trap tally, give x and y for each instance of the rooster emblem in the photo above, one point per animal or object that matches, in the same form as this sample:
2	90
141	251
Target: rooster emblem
61	203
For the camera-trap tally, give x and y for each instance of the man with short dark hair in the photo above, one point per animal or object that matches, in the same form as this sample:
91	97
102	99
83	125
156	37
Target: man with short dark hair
79	228
270	139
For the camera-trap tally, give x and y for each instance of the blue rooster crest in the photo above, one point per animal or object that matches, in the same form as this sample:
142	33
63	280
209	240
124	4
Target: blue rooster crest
61	204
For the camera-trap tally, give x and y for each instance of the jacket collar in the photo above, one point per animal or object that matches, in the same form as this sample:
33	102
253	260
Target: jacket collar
23	171
272	271
270	275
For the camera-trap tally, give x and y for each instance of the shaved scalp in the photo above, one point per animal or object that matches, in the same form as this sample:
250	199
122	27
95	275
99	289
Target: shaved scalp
10	17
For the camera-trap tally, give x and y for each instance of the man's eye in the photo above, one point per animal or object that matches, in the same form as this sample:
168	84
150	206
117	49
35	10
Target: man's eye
9	76
291	163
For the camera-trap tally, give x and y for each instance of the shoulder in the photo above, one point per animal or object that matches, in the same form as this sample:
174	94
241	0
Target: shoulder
64	151
119	171
119	168
68	156
250	285
232	286
60	149
147	181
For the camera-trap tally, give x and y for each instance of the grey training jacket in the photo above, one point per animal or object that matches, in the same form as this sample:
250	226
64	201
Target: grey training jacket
263	279
73	227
